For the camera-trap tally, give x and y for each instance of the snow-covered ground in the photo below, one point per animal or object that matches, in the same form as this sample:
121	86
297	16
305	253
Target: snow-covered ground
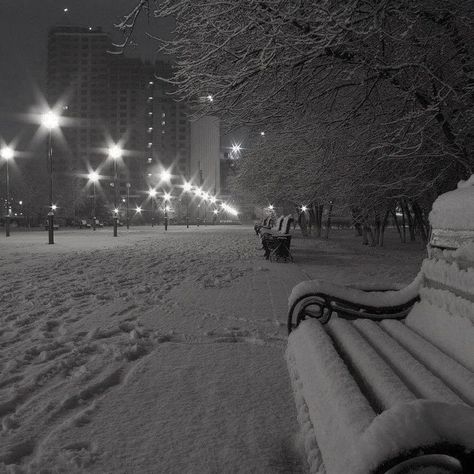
159	352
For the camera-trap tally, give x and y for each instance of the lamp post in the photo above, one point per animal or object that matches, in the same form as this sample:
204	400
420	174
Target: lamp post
165	175
93	177
7	154
128	206
152	193
166	198
51	121
187	189
115	152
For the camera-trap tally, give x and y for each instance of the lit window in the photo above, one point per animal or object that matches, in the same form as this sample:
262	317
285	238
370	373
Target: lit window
150	160
163	115
163	123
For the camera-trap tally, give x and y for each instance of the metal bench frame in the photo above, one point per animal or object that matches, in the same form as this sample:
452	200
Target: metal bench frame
328	304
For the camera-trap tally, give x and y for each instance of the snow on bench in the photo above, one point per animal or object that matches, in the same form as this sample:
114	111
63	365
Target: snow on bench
384	380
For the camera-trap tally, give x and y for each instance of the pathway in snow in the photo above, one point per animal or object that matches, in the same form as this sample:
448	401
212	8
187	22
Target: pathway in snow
149	353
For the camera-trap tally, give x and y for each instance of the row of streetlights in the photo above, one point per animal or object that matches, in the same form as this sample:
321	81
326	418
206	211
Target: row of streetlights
50	121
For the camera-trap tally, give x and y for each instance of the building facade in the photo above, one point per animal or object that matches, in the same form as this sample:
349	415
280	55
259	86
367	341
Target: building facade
205	153
111	99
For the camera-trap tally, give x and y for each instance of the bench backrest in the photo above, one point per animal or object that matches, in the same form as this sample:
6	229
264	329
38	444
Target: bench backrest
279	223
286	224
445	313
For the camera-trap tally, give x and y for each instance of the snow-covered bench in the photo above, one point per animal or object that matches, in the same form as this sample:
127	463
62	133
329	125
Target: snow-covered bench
276	243
266	223
380	387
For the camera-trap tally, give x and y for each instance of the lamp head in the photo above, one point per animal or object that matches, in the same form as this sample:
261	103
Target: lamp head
93	177
7	153
115	152
50	120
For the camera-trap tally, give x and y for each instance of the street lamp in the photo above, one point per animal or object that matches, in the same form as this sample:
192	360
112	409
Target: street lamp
166	197
50	120
128	206
93	177
7	154
115	152
152	193
187	189
165	175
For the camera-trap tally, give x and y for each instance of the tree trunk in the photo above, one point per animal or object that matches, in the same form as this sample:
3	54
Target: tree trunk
397	225
404	233
424	231
382	228
318	214
411	223
328	222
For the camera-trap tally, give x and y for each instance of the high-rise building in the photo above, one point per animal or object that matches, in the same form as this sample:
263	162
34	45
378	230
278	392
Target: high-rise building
110	100
168	127
205	153
77	80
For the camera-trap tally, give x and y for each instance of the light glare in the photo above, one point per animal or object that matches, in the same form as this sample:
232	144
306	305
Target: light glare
50	120
7	153
115	152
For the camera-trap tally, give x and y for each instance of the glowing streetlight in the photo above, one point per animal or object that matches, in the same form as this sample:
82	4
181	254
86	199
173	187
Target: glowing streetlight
50	120
187	186
115	152
7	154
236	148
304	208
138	210
165	175
93	178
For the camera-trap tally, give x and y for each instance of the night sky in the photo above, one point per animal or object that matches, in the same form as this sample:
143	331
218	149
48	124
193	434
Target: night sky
24	27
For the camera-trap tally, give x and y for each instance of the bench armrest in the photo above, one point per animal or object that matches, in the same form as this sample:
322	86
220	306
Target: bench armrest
319	299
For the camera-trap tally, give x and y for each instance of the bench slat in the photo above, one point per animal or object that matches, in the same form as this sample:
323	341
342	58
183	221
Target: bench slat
455	375
381	385
340	413
415	375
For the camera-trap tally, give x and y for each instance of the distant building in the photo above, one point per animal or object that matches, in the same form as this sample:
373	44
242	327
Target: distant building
205	153
112	99
168	129
78	78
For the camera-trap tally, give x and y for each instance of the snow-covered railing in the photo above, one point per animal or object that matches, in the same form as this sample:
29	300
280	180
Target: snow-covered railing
384	380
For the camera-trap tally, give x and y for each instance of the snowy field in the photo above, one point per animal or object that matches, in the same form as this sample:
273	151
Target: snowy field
159	352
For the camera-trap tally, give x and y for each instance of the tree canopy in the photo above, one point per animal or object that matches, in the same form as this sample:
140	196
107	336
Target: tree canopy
364	101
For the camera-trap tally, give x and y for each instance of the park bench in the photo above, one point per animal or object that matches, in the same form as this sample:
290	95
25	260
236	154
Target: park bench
276	243
266	223
84	224
384	380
